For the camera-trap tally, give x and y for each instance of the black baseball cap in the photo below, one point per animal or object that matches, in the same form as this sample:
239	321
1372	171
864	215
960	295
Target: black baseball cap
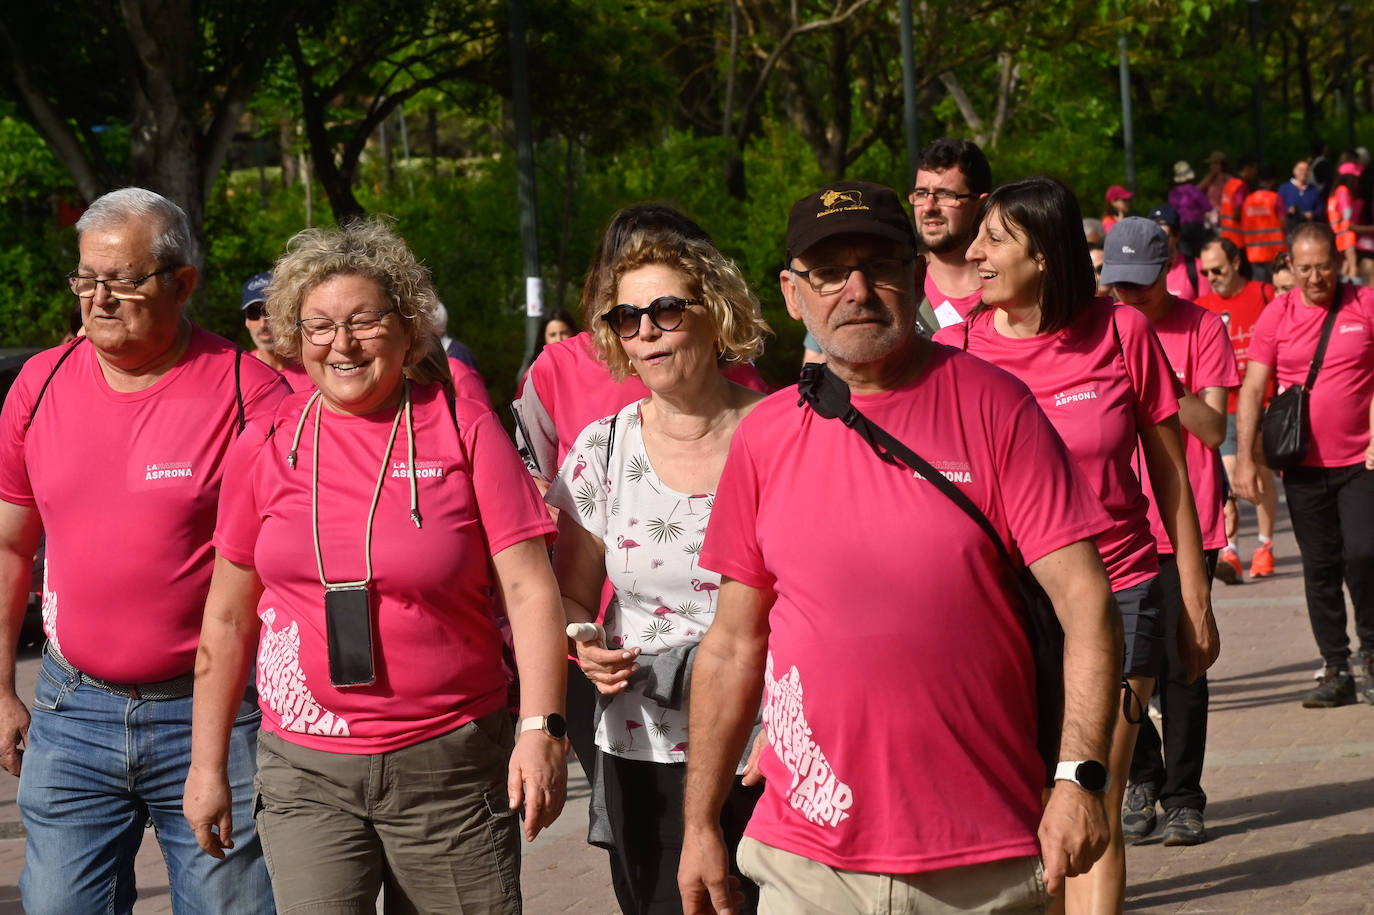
848	208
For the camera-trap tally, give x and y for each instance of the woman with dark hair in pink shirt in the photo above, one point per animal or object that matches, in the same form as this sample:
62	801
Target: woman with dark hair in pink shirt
360	541
1100	375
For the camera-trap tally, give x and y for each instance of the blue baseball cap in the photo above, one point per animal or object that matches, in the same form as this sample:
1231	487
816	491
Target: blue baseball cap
255	290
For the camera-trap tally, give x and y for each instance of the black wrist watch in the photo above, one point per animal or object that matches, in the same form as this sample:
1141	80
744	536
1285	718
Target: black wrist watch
554	725
1088	774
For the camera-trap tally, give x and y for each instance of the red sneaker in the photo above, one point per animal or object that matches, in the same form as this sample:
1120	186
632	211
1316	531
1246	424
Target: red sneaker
1263	562
1228	567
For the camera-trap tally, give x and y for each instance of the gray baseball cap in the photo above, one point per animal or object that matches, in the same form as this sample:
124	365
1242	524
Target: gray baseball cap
1135	251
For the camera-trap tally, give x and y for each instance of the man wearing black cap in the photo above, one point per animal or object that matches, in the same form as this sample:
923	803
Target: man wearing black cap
255	319
899	702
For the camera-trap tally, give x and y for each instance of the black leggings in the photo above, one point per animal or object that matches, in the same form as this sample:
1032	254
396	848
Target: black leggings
644	806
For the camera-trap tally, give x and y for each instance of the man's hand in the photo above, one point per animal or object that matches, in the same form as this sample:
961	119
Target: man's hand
1199	641
1250	480
14	732
538	779
753	774
609	669
208	806
1073	834
703	874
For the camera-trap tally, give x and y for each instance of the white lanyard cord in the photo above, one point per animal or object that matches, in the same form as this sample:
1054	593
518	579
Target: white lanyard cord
403	409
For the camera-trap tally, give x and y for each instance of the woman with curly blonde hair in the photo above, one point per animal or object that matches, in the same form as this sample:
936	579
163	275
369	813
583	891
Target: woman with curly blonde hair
635	494
359	540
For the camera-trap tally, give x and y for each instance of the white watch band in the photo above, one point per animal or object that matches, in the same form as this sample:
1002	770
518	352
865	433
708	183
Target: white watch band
1067	771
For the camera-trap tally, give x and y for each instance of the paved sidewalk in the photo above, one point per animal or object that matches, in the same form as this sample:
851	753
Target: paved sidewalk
1291	790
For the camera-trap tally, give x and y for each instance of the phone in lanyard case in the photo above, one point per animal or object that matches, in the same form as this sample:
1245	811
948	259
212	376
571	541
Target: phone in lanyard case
348	632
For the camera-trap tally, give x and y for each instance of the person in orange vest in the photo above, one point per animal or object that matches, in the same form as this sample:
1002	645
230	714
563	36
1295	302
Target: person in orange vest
1340	208
1232	202
1261	223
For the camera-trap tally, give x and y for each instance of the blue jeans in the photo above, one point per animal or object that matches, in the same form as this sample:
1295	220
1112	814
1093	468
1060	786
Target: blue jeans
96	769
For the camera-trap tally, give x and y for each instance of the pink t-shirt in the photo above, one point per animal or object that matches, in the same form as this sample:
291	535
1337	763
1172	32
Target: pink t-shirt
899	693
1180	284
1098	401
567	388
1286	337
468	382
1199	349
950	310
296	376
436	648
126	485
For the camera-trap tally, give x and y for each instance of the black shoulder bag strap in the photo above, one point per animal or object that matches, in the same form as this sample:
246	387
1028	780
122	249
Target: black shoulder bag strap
828	396
1327	326
47	381
238	388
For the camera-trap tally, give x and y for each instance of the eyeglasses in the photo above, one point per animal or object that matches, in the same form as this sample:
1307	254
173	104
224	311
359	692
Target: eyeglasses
254	312
665	312
115	287
361	325
1306	270
829	279
1213	271
944	196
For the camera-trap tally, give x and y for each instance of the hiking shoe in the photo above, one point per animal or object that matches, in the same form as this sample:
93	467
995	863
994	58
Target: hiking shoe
1138	810
1183	826
1335	688
1228	566
1262	563
1366	663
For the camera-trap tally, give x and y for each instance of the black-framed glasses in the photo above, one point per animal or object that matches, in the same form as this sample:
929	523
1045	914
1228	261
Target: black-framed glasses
943	196
829	279
254	312
665	312
361	325
116	287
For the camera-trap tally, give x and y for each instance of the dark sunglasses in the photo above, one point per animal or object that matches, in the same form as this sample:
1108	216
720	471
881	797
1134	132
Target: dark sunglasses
1213	271
254	312
666	312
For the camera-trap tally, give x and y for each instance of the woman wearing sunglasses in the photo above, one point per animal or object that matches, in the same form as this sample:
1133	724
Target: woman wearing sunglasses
635	494
359	543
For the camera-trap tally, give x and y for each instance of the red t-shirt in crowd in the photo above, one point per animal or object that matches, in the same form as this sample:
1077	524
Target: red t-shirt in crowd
1239	314
126	485
899	691
1199	350
1098	393
567	388
948	309
436	648
1286	337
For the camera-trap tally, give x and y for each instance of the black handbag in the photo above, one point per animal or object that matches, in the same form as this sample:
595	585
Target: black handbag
1285	430
828	396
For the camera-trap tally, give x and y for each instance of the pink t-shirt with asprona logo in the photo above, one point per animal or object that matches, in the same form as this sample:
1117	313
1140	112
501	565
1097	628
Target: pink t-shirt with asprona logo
1285	339
126	485
1098	393
899	692
436	646
1199	349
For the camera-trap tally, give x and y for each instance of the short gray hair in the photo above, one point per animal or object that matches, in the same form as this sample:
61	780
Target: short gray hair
172	245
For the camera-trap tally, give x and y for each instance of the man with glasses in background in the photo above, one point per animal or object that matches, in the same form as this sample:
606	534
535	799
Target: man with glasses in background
1238	301
114	446
952	178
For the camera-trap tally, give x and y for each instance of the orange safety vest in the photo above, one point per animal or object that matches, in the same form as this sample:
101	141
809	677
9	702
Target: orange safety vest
1230	218
1338	207
1261	223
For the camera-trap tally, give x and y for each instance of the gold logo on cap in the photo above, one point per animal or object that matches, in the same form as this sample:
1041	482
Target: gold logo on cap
841	201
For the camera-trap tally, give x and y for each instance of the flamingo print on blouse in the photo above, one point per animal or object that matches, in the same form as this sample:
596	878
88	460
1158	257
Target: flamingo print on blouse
678	747
626	544
579	467
699	585
630	727
691	499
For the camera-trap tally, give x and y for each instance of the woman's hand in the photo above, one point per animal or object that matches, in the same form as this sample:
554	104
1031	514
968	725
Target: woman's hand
608	669
208	806
538	779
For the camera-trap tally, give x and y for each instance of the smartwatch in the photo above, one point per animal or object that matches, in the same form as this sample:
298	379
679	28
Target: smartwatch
554	725
1088	774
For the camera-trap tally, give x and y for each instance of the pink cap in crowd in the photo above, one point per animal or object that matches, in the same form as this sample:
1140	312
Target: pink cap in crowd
1117	192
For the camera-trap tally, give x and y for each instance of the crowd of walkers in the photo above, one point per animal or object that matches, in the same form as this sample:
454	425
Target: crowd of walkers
890	633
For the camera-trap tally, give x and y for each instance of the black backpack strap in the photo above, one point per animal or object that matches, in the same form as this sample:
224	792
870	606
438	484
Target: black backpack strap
71	347
238	388
1327	326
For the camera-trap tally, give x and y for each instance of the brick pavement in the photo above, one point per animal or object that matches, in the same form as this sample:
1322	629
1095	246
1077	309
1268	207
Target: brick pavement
1290	790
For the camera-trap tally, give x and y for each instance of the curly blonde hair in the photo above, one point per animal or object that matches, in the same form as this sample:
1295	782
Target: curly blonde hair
712	279
367	248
